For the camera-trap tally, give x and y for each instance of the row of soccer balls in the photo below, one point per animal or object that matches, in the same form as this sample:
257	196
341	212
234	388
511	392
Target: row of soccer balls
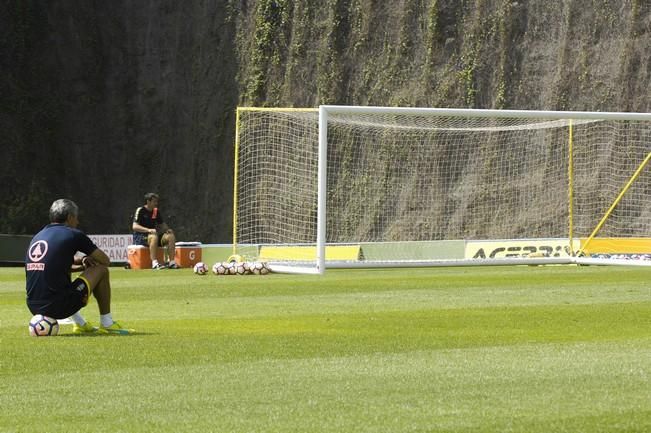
233	268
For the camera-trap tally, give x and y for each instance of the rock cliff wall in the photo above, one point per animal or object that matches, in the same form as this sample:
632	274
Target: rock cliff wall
104	101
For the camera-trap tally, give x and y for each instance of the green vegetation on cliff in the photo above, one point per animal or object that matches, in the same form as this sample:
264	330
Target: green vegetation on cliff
103	101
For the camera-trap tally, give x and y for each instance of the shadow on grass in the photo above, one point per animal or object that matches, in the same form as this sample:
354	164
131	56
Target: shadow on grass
134	334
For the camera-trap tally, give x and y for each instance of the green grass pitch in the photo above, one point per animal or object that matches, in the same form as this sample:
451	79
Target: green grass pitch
508	349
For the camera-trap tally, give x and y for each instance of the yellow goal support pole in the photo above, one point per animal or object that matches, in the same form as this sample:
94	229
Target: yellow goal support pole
616	202
570	187
235	173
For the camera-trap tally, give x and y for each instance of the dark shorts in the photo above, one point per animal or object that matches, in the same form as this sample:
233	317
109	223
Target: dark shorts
66	303
141	239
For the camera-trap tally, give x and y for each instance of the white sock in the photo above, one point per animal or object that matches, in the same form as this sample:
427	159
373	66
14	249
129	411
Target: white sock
154	263
106	320
78	319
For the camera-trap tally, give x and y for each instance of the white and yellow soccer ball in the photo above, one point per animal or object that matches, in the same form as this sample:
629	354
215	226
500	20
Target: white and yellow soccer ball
265	269
43	326
200	268
220	268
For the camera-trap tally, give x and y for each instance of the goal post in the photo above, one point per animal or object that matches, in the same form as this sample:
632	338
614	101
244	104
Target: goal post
347	186
275	197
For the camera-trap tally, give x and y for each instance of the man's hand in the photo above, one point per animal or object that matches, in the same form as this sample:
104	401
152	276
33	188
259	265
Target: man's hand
88	262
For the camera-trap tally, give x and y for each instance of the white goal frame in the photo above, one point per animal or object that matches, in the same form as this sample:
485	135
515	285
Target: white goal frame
324	114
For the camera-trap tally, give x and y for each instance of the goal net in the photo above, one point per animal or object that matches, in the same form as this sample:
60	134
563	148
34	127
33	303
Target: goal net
378	186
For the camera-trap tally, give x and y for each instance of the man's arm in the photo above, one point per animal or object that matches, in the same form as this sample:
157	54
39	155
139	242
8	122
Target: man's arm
97	257
141	229
137	225
77	264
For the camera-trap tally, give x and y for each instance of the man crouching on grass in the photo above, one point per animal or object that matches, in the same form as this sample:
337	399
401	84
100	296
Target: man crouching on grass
50	260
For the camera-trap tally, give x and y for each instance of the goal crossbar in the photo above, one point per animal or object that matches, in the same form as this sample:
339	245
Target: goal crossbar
488	113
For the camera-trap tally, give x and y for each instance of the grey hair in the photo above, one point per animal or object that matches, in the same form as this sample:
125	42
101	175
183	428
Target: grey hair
61	209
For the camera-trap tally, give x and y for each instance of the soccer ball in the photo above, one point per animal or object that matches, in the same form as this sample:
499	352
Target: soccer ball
259	268
220	268
240	268
200	268
255	267
42	326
